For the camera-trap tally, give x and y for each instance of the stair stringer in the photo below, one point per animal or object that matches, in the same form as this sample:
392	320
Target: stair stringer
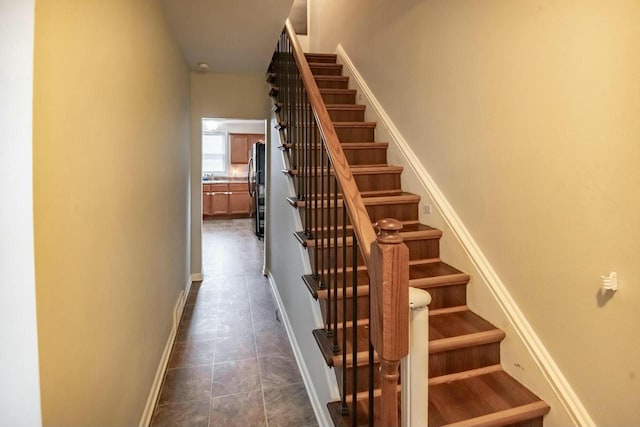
300	313
523	354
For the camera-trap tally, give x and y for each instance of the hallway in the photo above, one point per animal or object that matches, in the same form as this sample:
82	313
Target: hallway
232	364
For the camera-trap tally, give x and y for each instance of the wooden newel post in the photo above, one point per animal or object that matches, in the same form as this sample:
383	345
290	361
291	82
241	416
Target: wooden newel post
389	302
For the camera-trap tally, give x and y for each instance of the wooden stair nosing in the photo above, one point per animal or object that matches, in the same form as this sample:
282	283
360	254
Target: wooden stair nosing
349	107
436	281
333	91
464	374
331	78
403	198
364	395
362	359
505	417
406	236
463	341
327	65
380	169
341	125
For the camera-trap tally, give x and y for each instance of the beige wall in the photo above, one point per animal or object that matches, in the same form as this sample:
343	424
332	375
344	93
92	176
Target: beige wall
526	115
231	96
111	167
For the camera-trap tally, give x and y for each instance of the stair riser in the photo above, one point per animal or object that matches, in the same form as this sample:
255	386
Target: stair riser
339	98
363	309
325	59
346	115
447	296
332	84
365	182
366	157
407	211
423	248
362	379
535	422
355	134
418	249
328	254
401	212
450	362
326	71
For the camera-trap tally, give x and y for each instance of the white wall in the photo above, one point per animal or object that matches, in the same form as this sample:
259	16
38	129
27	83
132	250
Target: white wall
230	96
19	388
111	202
525	114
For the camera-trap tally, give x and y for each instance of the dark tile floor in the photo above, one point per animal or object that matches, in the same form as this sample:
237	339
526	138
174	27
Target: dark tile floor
232	364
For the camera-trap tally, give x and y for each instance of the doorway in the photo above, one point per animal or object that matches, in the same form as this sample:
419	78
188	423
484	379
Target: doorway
232	182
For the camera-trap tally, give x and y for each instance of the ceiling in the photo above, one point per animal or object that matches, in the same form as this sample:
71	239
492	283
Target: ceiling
230	36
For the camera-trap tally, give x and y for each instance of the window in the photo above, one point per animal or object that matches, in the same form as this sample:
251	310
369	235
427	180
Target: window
214	152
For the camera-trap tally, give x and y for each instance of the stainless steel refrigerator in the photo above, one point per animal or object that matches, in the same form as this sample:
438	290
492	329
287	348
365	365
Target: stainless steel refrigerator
256	186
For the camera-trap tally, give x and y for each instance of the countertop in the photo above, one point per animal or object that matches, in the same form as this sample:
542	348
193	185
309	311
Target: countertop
231	180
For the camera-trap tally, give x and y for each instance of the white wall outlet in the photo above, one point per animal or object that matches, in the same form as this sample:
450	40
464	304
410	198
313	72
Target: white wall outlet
426	209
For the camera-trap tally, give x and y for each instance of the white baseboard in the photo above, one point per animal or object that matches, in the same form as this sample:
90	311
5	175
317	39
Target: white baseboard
316	403
197	277
557	381
178	308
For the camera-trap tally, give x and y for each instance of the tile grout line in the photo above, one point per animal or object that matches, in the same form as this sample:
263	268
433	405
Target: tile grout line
255	345
213	363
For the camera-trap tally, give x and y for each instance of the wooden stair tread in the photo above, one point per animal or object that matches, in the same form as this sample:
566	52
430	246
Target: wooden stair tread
460	329
408	227
408	233
362	280
403	197
425	275
503	401
332	78
447	332
356	170
354	124
324	90
344	106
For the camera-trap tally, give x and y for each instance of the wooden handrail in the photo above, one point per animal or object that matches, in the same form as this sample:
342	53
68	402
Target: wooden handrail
350	193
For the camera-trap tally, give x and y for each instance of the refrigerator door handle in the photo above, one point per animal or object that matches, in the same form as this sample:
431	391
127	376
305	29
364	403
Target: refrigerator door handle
252	190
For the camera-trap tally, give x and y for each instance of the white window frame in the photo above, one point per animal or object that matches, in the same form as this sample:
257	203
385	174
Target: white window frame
224	156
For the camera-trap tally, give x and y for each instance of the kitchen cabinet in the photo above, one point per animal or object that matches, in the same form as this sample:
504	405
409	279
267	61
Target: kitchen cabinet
226	199
240	146
206	199
239	200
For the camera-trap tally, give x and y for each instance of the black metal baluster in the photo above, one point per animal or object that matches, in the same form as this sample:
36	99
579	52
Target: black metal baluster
307	138
354	334
344	409
336	348
299	141
330	288
315	196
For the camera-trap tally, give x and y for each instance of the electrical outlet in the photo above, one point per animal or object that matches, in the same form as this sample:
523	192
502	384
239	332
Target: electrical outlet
426	209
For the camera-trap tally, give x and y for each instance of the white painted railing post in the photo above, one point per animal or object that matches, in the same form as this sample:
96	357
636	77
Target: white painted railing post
415	367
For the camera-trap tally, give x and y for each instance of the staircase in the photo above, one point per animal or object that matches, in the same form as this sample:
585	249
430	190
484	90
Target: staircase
467	385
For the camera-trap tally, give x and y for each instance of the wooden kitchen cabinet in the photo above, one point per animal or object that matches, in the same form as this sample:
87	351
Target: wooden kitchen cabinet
239	200
241	146
226	199
206	199
219	199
